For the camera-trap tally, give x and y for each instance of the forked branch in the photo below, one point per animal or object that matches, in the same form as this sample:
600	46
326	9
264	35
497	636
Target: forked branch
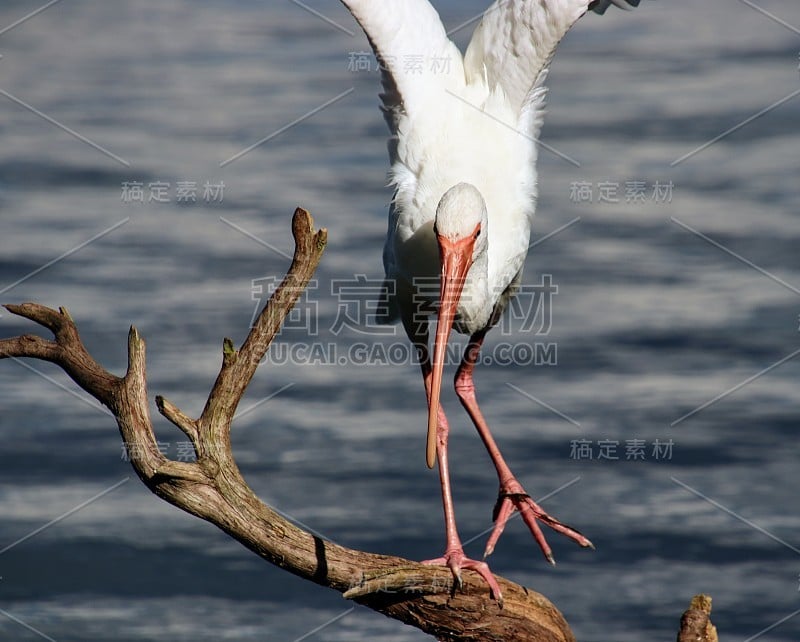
213	489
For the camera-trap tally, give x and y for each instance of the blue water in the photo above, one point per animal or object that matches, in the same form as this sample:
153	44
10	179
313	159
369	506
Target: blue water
650	321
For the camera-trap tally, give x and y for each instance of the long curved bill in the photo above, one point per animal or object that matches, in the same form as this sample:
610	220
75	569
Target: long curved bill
456	259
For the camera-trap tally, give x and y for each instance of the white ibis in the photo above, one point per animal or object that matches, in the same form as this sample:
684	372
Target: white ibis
463	154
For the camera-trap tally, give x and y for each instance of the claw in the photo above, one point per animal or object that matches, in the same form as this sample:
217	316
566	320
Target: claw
456	574
512	497
456	560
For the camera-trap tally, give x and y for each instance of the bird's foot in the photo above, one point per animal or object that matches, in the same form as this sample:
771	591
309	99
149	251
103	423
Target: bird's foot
512	498
455	560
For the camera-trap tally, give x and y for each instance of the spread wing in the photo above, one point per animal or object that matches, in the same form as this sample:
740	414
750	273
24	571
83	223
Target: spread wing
514	42
510	48
416	57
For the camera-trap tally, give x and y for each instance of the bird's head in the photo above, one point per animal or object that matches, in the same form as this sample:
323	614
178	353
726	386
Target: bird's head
461	218
461	232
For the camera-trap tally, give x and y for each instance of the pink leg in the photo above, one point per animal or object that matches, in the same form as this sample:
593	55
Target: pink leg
454	557
512	495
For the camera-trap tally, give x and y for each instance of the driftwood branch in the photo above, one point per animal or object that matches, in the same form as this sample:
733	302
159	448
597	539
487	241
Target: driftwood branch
696	622
213	489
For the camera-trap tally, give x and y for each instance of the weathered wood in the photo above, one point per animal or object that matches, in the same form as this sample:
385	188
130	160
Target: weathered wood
696	622
213	489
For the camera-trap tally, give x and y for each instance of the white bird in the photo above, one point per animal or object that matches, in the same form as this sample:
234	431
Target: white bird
463	153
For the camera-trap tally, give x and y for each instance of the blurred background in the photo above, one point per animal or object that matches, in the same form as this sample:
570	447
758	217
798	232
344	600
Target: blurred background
152	154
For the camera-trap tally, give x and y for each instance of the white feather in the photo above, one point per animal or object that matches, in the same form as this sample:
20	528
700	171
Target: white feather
471	119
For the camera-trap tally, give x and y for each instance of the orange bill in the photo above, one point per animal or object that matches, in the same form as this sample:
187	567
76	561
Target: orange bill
456	259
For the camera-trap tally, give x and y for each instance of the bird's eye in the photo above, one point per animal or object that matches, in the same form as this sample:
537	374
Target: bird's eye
478	232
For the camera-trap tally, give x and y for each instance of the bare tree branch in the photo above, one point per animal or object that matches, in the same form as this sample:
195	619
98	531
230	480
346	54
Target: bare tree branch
213	489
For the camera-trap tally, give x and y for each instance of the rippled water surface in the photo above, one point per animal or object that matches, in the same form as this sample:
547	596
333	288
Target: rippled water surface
664	304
